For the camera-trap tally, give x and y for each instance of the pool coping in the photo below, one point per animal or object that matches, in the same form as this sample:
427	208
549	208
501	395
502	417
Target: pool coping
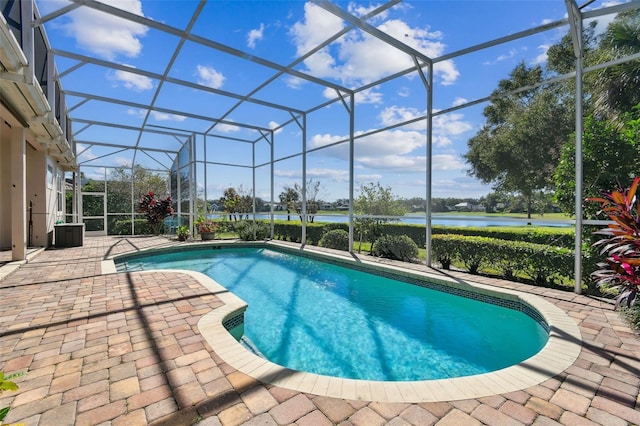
559	353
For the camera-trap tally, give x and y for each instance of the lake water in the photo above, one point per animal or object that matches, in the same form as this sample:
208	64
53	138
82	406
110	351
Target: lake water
439	219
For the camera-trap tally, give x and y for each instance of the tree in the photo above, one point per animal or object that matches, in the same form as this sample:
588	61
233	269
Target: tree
231	203
119	186
311	191
518	148
289	197
375	200
616	89
609	155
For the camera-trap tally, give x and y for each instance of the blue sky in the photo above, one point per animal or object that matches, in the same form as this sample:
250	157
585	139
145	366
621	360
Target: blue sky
279	32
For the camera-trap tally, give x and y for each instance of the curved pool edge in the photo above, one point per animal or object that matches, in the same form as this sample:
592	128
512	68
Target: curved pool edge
559	353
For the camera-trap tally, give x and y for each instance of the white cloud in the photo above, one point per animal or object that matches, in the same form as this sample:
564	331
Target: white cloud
368	96
404	92
543	55
334	175
273	125
208	76
255	35
451	124
317	26
106	35
294	82
122	161
158	116
444	126
136	82
366	178
360	11
360	58
396	114
85	154
512	53
137	112
459	101
161	116
448	162
389	150
226	128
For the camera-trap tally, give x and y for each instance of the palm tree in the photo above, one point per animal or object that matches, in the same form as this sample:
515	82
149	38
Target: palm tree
616	89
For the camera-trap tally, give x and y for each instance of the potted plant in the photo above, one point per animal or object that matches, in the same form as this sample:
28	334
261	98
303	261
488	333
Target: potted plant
182	232
621	243
206	228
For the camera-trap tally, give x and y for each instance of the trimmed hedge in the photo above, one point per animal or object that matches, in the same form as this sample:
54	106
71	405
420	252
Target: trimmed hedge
123	227
291	230
561	237
542	263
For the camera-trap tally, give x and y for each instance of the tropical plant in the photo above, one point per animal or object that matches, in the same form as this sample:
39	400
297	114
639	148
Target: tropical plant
620	243
155	210
183	232
7	385
205	226
252	231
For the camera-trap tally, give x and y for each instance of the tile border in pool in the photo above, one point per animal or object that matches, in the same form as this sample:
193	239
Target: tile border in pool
561	350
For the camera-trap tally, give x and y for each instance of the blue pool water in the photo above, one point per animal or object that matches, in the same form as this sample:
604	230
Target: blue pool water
326	319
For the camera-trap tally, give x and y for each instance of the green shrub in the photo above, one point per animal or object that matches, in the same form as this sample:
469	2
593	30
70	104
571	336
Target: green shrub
398	247
252	231
292	230
632	315
542	263
444	249
474	252
336	239
123	227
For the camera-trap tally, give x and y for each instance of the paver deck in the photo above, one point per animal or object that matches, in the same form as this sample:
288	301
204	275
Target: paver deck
125	349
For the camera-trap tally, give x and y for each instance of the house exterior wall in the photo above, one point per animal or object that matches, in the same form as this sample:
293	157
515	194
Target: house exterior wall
5	184
41	185
34	147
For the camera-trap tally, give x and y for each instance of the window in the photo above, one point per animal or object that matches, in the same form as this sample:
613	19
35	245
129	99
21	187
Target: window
60	192
50	176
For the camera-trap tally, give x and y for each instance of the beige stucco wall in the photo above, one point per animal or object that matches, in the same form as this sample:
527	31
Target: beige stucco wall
39	190
5	185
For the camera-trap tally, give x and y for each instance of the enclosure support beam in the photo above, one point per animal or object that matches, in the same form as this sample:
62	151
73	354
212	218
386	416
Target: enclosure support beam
304	180
429	171
352	104
428	85
575	23
272	170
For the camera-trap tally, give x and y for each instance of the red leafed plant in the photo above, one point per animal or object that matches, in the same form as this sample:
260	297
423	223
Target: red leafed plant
155	210
621	243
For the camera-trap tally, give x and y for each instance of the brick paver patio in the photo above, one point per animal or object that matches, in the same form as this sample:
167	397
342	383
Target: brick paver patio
124	349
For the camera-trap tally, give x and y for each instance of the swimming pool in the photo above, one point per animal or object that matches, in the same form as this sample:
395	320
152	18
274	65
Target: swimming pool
411	333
